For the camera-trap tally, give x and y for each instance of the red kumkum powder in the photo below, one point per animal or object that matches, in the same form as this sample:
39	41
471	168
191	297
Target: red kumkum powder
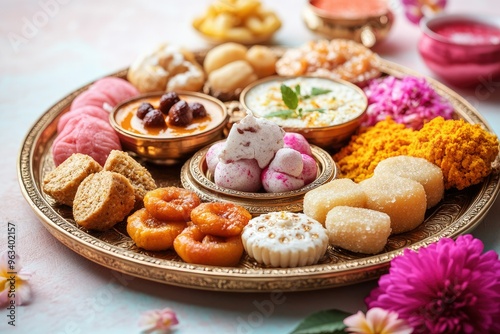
352	9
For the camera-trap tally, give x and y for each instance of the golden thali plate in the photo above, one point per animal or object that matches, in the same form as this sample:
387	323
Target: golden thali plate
458	213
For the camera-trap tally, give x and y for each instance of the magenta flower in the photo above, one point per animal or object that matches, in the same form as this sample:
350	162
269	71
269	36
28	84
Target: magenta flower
415	10
376	321
447	287
14	287
409	100
160	321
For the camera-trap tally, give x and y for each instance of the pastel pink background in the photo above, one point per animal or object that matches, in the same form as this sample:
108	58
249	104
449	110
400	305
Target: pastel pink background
81	41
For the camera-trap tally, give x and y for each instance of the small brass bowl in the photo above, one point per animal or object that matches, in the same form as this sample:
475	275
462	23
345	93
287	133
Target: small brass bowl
196	177
367	29
168	147
327	136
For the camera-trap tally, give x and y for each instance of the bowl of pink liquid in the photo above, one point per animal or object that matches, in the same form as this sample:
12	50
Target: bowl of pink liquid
464	50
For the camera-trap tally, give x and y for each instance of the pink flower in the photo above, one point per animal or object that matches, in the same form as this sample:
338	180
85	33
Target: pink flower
447	287
415	10
14	287
158	320
377	321
409	100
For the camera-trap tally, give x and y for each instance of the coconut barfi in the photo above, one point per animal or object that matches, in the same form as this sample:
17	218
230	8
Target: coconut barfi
358	229
421	170
319	201
403	199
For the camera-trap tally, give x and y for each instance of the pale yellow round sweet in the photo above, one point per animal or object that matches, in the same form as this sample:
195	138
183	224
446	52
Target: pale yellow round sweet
222	55
358	229
402	199
319	201
285	239
232	76
262	59
421	170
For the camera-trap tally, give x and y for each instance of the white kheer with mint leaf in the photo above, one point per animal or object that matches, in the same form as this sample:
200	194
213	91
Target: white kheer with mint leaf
305	102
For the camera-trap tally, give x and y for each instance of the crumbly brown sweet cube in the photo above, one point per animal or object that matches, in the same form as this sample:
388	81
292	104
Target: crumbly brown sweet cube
102	200
62	183
358	229
140	178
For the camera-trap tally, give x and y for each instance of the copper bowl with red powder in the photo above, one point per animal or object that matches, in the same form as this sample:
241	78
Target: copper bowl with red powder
366	22
464	50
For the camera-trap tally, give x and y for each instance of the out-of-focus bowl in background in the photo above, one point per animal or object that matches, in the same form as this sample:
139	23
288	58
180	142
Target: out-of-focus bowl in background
464	50
366	22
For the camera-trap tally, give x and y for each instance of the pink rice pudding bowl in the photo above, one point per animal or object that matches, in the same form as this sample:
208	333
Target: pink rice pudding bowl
464	50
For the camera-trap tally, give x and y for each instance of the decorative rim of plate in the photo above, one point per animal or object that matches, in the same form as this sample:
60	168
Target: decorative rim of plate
450	220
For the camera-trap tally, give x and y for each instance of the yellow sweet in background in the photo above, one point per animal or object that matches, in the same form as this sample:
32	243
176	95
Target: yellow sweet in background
243	21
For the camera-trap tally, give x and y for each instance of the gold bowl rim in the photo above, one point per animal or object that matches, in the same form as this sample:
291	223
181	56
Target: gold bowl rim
280	78
145	137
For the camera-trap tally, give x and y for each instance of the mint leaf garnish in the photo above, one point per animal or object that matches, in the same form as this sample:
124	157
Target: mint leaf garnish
297	90
290	98
330	321
319	91
286	113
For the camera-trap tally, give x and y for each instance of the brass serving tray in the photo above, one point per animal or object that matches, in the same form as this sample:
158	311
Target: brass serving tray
458	213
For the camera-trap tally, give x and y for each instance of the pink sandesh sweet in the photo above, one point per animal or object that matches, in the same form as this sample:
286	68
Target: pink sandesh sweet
448	287
86	135
242	175
310	169
288	161
276	182
105	93
82	111
14	286
253	138
117	89
212	155
376	321
92	98
298	142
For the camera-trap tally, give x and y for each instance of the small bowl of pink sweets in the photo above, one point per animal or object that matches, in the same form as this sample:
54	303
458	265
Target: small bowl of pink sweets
260	167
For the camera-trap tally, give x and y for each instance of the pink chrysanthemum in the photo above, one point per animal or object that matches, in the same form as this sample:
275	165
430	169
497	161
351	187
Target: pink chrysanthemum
447	287
410	100
415	10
